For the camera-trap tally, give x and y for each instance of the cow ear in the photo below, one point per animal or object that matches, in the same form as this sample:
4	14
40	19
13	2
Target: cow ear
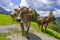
12	14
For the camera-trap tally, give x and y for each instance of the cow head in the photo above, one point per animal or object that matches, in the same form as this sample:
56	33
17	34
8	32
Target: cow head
24	11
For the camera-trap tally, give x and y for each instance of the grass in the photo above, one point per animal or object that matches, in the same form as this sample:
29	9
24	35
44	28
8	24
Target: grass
6	19
16	30
48	31
3	37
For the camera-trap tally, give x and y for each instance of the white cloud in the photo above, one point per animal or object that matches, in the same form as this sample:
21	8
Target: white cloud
57	13
41	4
47	1
7	9
46	13
43	13
24	3
58	2
7	5
11	4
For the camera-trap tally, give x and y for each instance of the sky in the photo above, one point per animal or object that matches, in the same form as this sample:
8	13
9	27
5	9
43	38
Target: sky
42	6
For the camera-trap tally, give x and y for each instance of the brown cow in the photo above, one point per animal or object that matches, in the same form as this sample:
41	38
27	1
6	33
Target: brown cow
43	21
23	15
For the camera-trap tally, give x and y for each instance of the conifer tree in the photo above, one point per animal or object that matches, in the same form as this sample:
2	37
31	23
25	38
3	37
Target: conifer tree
51	13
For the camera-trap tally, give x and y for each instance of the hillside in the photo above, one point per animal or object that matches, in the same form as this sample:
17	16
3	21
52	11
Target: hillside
6	19
4	11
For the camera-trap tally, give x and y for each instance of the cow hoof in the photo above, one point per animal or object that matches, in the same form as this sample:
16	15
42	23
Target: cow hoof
27	37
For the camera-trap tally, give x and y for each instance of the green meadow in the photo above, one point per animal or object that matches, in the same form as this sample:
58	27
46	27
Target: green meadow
6	20
48	31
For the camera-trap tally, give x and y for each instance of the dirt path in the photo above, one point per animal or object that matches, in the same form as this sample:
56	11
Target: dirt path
9	28
33	35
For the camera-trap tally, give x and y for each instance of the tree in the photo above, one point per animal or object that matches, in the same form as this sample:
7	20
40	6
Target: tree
34	15
51	13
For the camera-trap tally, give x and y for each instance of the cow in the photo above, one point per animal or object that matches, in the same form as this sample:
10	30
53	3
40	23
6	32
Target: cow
23	15
44	21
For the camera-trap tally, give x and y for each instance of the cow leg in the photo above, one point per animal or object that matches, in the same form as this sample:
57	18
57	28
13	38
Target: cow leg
27	32
46	27
41	27
22	29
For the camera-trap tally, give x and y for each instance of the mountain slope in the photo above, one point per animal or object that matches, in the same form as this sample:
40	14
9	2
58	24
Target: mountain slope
4	11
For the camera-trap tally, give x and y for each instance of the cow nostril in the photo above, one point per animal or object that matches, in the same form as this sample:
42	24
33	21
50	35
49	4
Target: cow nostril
18	20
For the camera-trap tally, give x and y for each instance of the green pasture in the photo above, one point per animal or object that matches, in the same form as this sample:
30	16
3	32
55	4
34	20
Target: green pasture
48	31
6	20
3	37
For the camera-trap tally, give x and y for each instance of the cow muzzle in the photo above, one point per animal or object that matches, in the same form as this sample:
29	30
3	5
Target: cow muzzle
18	19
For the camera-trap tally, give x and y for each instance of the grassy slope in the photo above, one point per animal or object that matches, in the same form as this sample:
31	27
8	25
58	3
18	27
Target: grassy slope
3	37
49	31
6	19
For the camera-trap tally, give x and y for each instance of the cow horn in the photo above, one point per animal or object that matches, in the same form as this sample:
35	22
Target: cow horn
19	6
